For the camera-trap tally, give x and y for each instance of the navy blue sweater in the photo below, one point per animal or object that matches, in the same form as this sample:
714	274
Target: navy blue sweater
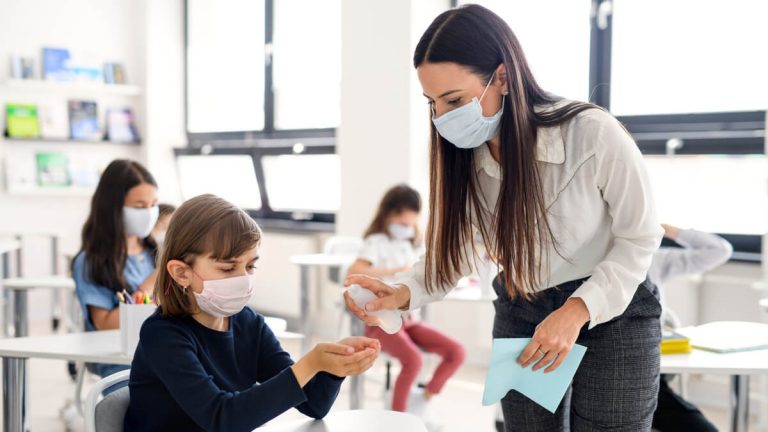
188	377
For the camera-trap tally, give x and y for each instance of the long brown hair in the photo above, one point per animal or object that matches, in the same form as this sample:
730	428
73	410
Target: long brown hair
103	236
203	225
476	38
397	199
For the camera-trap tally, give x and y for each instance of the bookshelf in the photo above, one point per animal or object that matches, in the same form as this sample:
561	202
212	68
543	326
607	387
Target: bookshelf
20	167
69	89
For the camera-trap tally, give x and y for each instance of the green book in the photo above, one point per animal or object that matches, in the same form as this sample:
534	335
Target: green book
52	170
21	121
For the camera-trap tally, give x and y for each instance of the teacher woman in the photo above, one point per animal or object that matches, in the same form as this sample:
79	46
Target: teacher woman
557	192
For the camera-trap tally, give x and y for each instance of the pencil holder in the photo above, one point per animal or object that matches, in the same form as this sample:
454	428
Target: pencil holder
132	316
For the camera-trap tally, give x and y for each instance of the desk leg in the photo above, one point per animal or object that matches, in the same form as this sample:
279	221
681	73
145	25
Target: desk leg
7	307
55	293
14	373
739	403
305	321
356	328
20	323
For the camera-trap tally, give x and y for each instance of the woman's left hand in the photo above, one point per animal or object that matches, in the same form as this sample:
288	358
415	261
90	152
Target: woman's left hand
554	337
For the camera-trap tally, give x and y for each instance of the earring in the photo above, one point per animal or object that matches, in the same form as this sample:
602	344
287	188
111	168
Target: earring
505	93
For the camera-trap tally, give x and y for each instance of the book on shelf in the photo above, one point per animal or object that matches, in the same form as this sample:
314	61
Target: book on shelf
121	126
56	64
54	124
21	121
52	169
674	343
84	121
114	73
22	67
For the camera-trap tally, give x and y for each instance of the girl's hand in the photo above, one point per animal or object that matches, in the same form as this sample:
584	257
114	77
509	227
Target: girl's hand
360	343
555	336
389	297
336	359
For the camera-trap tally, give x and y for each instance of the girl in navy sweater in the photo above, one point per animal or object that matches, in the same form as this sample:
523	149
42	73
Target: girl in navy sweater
205	361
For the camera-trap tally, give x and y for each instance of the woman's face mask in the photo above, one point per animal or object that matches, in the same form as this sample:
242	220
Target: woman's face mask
466	127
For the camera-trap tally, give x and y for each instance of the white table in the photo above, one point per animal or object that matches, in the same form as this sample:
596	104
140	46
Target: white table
93	347
739	365
763	304
352	421
21	286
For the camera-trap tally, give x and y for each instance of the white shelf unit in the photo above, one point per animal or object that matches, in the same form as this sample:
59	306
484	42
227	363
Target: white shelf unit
75	88
18	153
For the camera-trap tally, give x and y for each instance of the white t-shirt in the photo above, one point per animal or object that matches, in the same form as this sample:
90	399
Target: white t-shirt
382	251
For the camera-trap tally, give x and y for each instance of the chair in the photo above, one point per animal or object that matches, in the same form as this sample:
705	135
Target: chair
107	413
342	245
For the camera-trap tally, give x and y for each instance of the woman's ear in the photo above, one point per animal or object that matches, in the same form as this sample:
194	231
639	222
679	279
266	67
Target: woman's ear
501	79
180	272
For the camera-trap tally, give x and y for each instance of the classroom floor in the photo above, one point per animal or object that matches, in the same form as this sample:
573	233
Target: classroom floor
50	387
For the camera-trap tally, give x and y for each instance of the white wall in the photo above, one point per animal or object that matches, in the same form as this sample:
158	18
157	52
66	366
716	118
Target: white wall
384	120
102	31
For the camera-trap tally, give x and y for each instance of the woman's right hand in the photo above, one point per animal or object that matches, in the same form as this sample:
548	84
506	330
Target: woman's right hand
389	297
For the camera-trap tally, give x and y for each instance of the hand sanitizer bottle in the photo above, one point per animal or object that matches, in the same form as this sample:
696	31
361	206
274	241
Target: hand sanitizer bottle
391	320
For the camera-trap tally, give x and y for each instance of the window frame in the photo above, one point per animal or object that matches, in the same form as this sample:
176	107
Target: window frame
266	217
710	133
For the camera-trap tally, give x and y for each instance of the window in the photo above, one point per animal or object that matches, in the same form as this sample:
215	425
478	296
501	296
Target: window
556	45
716	193
688	56
307	64
231	177
225	65
293	188
262	70
303	183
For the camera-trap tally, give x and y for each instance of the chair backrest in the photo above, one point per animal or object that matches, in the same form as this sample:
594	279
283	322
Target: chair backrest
107	413
341	245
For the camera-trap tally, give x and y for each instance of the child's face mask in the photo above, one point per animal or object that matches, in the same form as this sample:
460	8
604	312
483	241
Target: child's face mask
225	297
139	221
401	232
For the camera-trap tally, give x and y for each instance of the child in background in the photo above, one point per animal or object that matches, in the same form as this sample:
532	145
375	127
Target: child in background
206	361
700	252
117	253
163	220
392	245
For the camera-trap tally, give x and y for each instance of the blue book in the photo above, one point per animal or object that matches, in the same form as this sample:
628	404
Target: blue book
84	121
56	64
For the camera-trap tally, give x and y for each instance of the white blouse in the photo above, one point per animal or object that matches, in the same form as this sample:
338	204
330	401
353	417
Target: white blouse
599	207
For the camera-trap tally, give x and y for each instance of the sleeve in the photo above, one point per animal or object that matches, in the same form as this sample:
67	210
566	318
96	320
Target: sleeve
89	293
416	280
370	251
700	252
320	392
623	182
196	393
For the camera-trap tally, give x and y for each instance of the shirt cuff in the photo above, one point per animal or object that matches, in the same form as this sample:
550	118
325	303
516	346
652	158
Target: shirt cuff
417	293
596	303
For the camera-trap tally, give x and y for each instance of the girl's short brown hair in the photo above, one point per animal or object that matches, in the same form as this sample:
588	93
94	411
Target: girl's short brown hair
203	225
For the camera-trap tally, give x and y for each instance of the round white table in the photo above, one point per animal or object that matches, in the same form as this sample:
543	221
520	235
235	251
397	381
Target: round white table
353	421
738	365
